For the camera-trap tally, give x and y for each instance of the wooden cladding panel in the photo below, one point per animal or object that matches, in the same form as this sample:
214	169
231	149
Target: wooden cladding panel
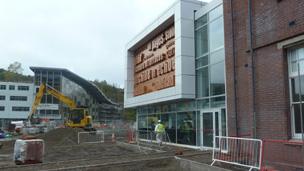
154	64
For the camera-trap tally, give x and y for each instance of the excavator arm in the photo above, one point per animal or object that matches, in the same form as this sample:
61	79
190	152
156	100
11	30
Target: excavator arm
78	117
37	100
61	97
50	90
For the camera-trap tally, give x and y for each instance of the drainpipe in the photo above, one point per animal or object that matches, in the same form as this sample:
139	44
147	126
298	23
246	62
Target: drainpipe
234	71
252	69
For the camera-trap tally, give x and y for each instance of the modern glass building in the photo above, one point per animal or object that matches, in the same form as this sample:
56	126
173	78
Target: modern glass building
83	92
193	109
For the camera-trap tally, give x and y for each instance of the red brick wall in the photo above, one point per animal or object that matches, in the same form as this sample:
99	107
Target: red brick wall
270	24
272	18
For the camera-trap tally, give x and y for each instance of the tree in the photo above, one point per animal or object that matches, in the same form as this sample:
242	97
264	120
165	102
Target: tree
15	68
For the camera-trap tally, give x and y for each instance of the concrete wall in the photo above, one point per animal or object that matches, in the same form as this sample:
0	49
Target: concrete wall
8	104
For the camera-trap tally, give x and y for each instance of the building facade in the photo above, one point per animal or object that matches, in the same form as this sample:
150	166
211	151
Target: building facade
264	50
175	73
227	68
15	101
83	92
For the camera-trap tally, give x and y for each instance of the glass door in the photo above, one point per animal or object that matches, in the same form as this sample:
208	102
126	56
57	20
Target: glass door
207	129
213	123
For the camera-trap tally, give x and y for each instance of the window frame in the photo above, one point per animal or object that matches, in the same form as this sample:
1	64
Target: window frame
2	87
20	108
292	75
18	98
2	99
11	87
23	88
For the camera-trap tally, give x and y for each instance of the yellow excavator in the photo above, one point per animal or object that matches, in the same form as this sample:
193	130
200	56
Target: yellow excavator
77	118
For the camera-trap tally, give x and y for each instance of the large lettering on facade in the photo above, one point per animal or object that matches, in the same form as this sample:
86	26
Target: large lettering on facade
154	64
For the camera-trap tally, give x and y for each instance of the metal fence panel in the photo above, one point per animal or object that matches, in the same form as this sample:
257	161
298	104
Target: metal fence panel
91	137
245	152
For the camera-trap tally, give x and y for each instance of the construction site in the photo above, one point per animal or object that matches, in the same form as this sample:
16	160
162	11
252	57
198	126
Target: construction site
175	85
63	151
81	144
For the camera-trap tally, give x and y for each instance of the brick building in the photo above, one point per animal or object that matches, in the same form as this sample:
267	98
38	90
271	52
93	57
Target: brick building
236	70
264	48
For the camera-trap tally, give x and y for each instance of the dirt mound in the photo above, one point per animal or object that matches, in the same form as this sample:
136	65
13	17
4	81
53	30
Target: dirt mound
60	137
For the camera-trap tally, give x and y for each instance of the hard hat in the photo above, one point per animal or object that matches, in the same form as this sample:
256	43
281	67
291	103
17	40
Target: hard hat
159	120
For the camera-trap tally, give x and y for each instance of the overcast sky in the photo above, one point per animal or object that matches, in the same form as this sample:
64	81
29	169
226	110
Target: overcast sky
87	37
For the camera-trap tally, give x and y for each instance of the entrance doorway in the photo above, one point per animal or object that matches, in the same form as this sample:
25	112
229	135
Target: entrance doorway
213	123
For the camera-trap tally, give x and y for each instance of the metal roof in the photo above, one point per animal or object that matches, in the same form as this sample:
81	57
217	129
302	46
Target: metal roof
90	87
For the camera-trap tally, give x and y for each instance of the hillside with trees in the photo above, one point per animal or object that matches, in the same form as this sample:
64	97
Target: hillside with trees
9	76
113	92
116	94
14	74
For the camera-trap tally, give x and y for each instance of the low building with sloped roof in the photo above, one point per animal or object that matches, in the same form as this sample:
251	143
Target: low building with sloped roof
82	91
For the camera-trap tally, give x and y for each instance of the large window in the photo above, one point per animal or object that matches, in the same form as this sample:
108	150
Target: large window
201	40
186	128
2	97
179	118
2	108
152	121
210	59
296	83
169	120
217	79
216	34
142	122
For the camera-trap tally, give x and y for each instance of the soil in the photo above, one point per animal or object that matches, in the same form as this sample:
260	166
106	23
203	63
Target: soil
60	137
63	153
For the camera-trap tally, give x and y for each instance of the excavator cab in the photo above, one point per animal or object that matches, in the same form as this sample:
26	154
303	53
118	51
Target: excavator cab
79	118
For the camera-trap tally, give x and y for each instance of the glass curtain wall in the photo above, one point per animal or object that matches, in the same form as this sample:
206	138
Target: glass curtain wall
169	120
53	79
183	119
210	76
179	118
186	128
210	59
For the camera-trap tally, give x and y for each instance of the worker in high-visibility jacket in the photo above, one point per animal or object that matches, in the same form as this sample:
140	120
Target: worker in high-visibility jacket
160	131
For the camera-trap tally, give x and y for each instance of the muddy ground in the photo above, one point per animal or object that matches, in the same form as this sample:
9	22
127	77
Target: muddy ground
63	153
